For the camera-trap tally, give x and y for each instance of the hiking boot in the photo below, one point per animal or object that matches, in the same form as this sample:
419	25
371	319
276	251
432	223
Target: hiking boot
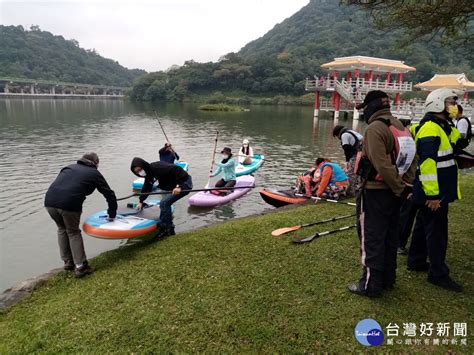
165	232
68	265
83	270
402	251
354	288
446	283
419	268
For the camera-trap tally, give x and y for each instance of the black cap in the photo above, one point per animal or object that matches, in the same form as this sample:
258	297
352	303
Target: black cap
226	150
371	96
336	130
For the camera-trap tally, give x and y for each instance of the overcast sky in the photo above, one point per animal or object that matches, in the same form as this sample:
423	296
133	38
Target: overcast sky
153	34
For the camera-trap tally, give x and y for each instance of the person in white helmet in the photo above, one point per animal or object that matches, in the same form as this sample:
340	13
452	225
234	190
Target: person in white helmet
245	153
436	186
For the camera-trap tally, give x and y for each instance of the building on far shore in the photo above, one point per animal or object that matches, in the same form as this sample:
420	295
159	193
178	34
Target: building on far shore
350	78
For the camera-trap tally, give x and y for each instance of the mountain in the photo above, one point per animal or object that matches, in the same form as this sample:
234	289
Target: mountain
278	62
37	54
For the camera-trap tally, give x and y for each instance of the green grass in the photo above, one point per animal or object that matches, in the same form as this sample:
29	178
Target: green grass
221	107
235	288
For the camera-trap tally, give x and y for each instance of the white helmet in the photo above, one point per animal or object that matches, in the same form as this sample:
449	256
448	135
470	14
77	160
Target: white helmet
246	141
435	100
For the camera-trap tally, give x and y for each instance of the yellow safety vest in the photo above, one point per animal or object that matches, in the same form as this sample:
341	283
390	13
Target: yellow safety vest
438	174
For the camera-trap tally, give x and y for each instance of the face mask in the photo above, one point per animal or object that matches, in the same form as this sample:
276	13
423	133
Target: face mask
225	156
452	111
142	173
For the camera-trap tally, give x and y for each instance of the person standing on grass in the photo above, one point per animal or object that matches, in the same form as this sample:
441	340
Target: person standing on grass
64	200
171	178
463	125
351	142
386	167
436	186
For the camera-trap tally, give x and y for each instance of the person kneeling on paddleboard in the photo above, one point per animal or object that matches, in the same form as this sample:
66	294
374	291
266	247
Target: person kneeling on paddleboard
333	182
64	200
245	153
168	154
227	168
170	178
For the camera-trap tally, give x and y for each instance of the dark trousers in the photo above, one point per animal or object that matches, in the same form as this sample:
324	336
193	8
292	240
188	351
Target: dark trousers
430	240
71	245
378	215
223	183
166	214
408	212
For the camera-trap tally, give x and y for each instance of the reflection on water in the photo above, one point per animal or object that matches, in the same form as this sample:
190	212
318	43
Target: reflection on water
38	137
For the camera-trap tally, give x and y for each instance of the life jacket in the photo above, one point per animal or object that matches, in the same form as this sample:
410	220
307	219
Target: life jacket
469	128
402	155
338	175
357	139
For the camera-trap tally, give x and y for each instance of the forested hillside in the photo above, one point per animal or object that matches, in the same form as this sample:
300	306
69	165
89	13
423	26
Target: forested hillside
279	62
36	54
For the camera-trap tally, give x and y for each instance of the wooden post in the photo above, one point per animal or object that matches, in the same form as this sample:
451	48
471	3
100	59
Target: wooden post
387	79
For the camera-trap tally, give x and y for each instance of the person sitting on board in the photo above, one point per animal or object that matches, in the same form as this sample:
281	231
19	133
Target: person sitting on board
168	154
64	200
170	178
227	168
307	183
333	181
245	153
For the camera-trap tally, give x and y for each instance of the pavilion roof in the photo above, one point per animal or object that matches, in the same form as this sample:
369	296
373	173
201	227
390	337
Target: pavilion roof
452	81
368	63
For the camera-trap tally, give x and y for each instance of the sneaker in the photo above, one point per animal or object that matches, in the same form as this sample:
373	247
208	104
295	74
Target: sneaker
419	268
402	251
354	288
84	270
68	265
446	283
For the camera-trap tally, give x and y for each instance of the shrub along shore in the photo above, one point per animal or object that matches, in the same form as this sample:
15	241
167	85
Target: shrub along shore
233	287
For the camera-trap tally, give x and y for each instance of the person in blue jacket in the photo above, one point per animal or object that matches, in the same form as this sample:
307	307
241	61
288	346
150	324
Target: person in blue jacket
227	168
167	154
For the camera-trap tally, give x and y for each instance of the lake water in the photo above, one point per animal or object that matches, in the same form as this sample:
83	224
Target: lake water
39	137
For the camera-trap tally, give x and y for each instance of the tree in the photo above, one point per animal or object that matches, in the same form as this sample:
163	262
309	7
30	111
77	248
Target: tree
448	20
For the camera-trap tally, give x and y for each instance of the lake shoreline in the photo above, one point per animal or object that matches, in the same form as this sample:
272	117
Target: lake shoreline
232	287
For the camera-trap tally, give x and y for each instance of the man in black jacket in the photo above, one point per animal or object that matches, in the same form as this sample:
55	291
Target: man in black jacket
63	202
170	178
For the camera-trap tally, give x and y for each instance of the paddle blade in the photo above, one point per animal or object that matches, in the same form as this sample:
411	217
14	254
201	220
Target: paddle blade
284	230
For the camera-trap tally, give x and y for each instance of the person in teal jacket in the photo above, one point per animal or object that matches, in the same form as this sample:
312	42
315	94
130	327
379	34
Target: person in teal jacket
227	168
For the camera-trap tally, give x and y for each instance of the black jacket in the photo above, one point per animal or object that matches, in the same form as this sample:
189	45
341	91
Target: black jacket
74	183
168	175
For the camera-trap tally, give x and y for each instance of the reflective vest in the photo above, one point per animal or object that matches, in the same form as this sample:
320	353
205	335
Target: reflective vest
438	174
338	175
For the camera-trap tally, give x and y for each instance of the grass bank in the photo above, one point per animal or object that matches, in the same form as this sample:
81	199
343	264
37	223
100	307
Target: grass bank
221	107
235	288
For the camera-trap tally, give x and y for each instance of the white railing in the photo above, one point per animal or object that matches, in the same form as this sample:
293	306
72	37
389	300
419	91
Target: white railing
360	84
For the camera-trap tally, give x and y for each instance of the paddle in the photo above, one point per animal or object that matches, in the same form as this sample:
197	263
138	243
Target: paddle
326	199
195	190
284	230
320	234
212	161
159	122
